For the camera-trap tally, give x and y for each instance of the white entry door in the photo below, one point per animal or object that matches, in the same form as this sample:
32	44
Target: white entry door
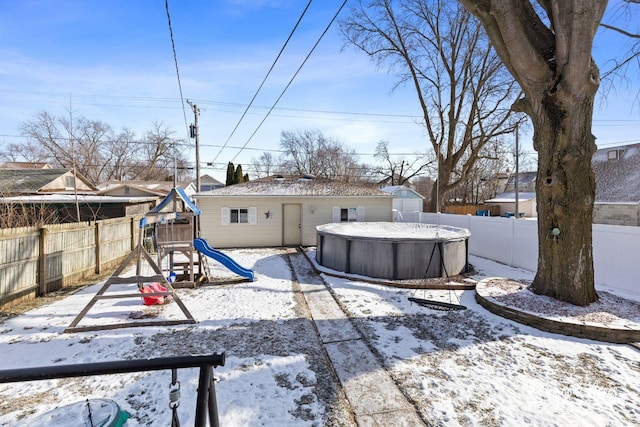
292	225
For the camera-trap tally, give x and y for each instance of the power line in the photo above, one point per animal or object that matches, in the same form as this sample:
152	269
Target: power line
175	60
265	78
136	99
292	78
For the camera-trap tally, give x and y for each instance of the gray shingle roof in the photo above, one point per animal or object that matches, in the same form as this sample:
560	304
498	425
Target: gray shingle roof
295	185
617	179
27	180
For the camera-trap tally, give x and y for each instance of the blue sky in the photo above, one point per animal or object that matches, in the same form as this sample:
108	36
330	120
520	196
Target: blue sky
112	61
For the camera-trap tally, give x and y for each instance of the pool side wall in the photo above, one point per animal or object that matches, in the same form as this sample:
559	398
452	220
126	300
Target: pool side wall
395	259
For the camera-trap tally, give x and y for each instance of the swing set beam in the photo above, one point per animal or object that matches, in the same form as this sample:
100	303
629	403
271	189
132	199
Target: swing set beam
206	403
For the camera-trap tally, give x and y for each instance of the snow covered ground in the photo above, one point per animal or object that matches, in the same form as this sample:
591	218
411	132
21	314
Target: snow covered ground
457	367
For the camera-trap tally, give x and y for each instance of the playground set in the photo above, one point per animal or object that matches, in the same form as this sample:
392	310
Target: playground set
181	262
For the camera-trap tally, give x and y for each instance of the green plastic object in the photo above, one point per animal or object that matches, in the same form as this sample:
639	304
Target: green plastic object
91	412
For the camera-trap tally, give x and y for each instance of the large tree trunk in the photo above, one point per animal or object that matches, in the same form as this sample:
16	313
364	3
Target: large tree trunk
546	45
565	190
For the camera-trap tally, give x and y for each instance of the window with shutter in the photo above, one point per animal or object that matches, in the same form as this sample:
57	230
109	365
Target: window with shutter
225	216
336	214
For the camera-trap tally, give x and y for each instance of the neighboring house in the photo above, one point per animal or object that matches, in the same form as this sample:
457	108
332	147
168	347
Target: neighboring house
405	200
24	165
208	183
285	210
139	188
507	203
617	171
56	196
43	181
617	202
62	208
526	182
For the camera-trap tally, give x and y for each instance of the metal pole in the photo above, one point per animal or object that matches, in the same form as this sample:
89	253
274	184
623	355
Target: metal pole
196	113
517	171
213	402
202	399
114	367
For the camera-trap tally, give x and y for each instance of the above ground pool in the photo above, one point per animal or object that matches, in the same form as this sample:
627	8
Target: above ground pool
393	250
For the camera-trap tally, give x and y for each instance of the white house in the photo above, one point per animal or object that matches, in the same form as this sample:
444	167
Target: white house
285	210
617	202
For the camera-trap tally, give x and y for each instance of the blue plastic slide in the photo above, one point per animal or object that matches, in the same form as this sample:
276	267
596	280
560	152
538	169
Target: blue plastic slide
203	247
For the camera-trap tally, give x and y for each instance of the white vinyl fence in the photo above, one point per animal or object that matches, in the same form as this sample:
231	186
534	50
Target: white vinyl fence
616	248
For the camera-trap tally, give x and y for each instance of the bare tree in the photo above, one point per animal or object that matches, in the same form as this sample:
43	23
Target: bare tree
310	152
400	171
264	165
462	88
161	154
424	185
68	144
548	51
483	180
98	152
17	214
622	19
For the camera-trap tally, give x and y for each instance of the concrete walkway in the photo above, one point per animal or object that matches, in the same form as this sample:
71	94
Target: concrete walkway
374	398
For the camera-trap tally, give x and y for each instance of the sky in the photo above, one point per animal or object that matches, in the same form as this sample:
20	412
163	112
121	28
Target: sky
113	61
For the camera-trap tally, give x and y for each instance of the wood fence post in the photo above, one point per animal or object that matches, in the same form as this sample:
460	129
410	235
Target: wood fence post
98	244
42	262
133	233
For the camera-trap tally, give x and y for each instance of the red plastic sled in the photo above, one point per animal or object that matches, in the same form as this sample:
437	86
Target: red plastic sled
154	299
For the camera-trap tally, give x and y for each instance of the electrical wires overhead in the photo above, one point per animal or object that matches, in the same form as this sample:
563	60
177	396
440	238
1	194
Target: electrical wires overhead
175	60
292	78
264	80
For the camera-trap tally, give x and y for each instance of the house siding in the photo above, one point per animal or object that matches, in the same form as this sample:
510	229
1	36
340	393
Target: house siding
617	213
60	184
268	231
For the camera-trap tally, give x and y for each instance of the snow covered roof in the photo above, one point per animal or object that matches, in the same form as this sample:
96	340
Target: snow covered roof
155	187
71	198
524	179
25	181
395	189
617	172
511	197
295	186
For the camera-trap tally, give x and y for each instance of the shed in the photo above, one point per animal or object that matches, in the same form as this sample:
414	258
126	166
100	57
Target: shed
285	210
405	200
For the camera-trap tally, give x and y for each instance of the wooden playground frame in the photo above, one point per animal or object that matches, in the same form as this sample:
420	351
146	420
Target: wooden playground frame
139	254
174	233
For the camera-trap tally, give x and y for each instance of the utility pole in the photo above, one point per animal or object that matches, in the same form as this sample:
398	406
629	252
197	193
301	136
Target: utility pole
195	133
73	153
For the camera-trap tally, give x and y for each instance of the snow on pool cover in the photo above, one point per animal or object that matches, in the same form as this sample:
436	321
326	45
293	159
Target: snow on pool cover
395	230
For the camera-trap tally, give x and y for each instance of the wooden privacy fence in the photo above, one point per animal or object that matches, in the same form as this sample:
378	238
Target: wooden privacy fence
37	260
472	209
